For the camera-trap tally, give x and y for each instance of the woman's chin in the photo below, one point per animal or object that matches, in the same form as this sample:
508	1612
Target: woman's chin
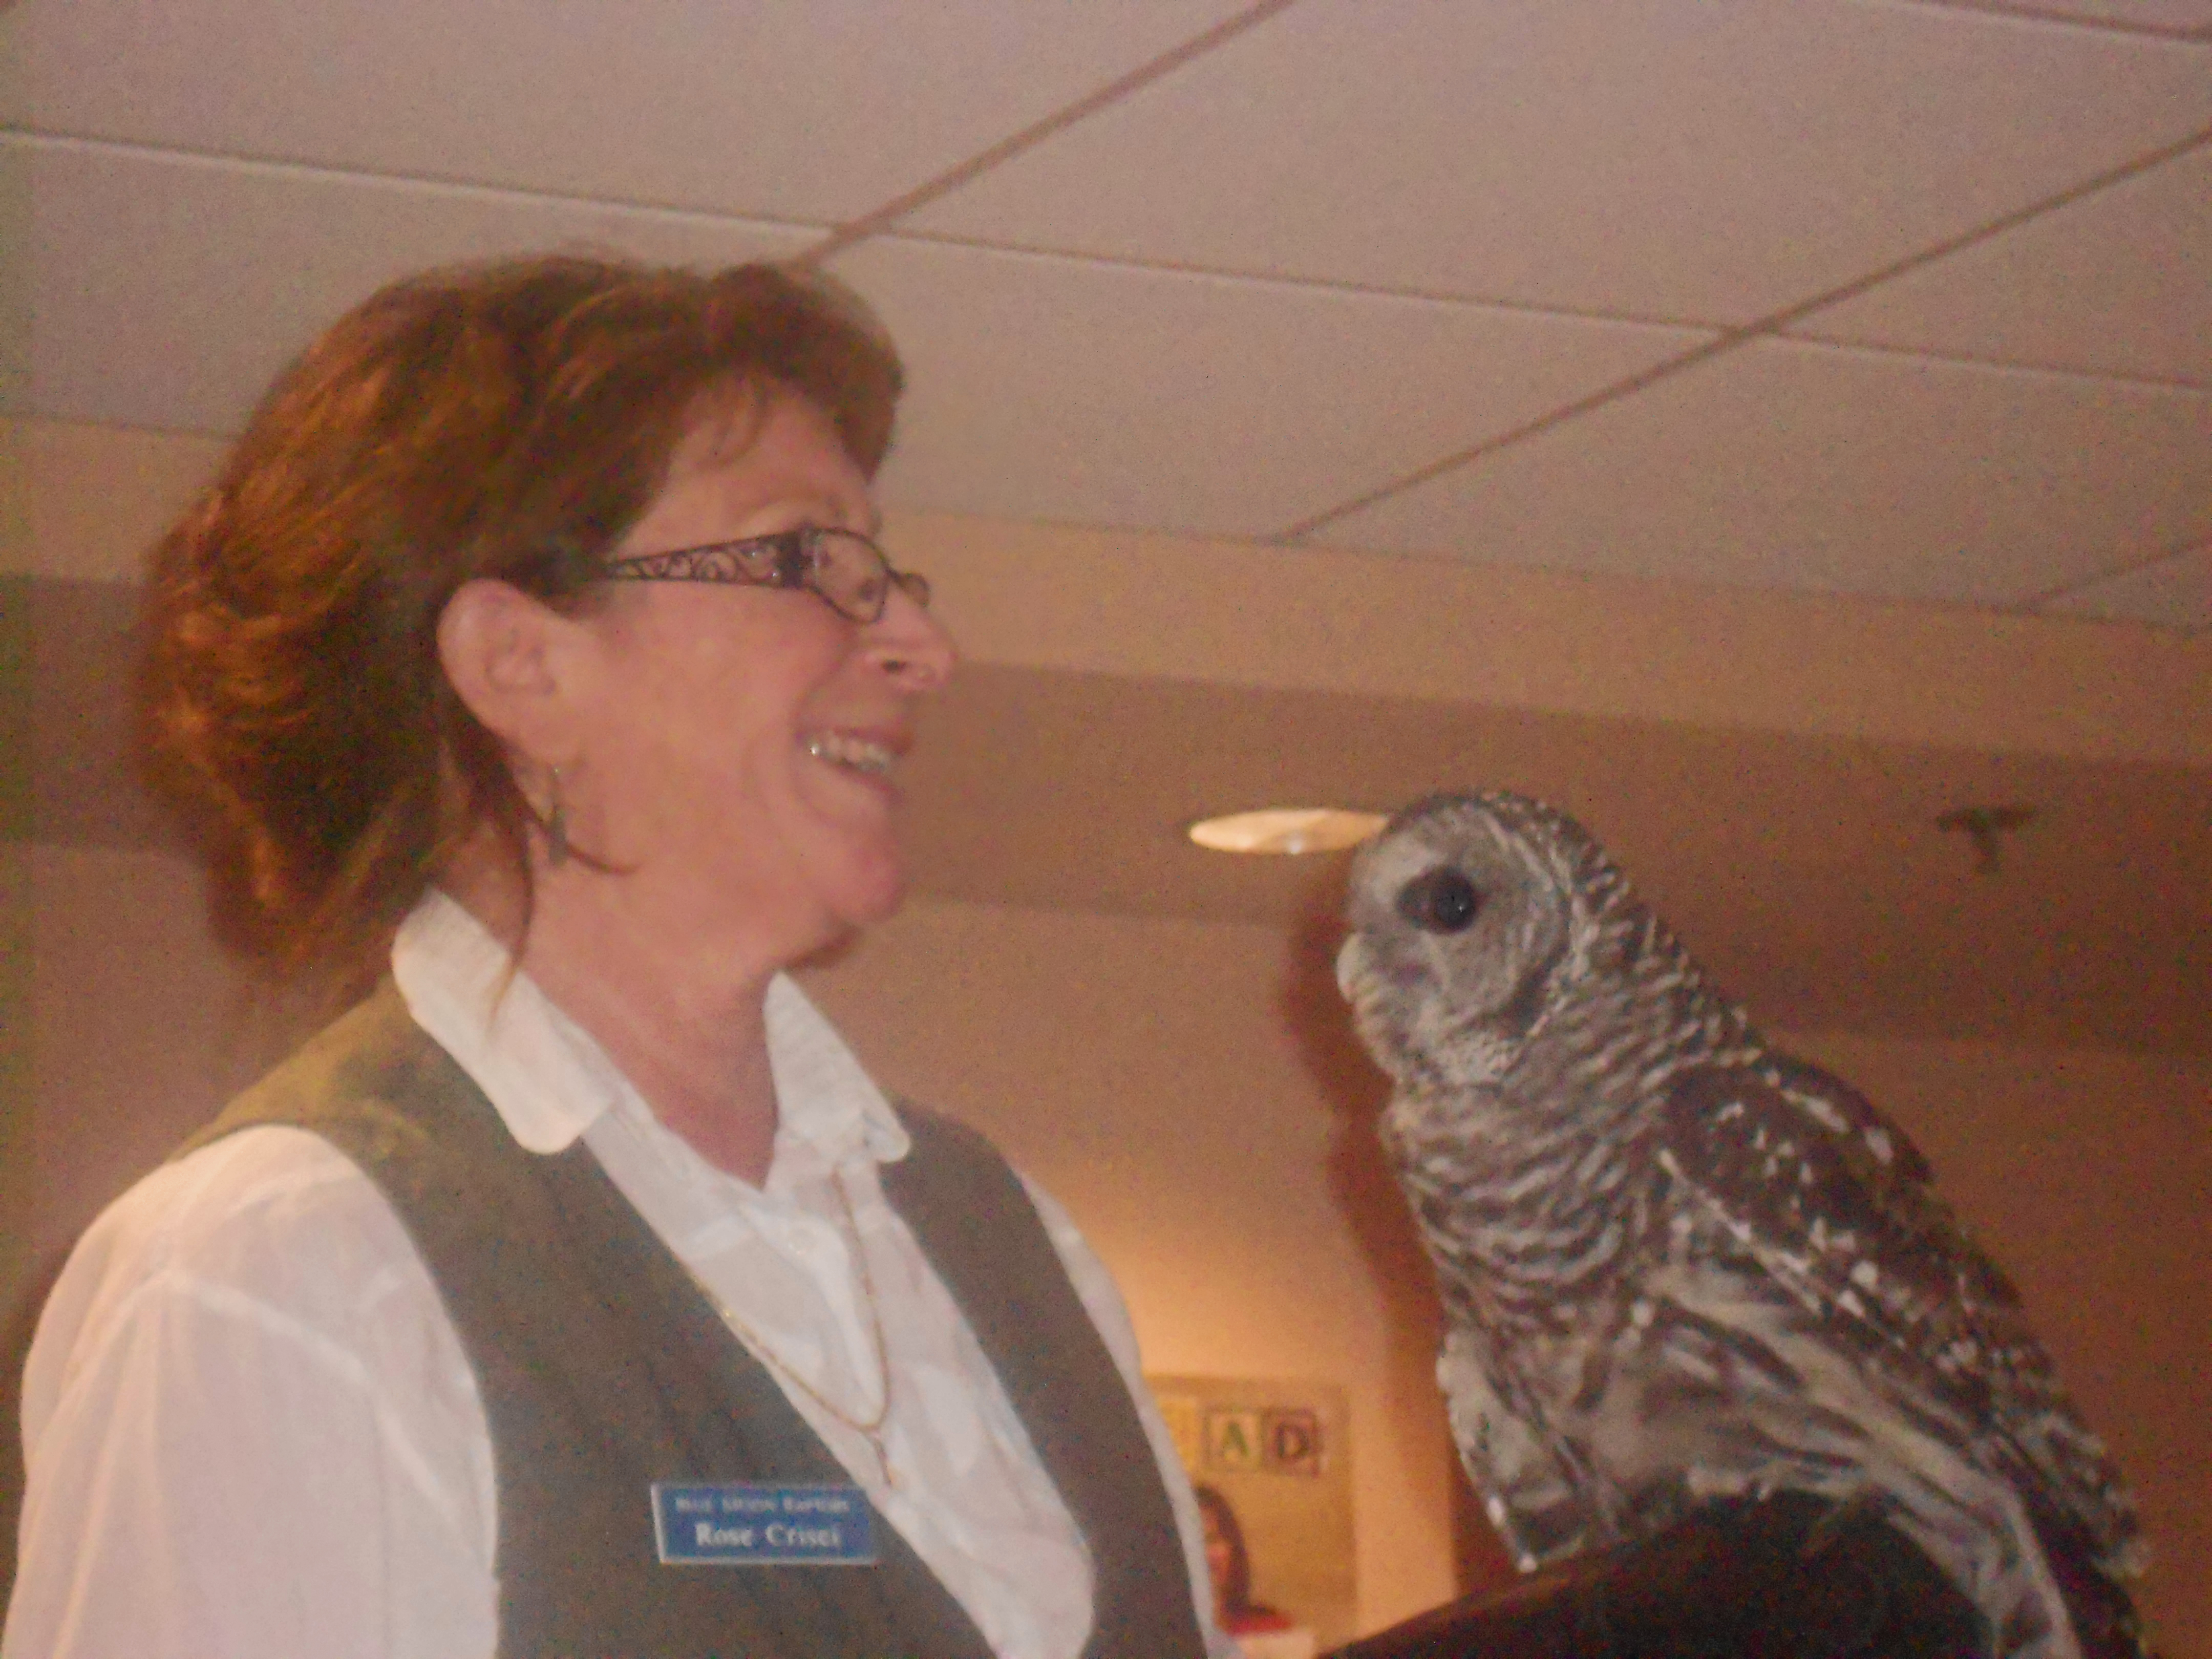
877	901
836	932
853	895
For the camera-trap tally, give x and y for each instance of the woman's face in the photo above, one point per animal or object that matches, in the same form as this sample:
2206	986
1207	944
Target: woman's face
739	746
1220	1560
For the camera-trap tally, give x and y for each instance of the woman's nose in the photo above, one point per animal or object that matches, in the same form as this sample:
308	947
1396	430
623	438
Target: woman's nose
911	646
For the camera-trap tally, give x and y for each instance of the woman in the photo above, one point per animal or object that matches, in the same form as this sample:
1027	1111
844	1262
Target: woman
1258	1630
533	644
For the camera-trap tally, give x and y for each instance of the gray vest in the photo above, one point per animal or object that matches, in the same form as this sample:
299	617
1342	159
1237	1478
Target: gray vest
603	1370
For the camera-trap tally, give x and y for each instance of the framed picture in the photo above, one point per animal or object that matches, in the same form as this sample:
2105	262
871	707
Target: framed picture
1272	1460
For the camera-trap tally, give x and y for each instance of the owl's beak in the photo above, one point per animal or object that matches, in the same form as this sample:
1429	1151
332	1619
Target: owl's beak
1350	965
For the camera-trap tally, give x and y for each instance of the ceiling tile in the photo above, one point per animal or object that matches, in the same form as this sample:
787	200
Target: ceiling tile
2120	282
2174	592
1067	390
168	292
802	109
1664	160
1832	470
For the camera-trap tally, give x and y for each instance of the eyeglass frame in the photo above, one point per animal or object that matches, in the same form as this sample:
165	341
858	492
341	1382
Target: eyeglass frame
797	562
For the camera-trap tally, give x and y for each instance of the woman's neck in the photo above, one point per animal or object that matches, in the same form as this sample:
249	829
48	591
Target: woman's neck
682	1018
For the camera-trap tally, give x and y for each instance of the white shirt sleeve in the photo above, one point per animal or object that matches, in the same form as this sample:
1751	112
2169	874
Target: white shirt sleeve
1102	1300
219	1461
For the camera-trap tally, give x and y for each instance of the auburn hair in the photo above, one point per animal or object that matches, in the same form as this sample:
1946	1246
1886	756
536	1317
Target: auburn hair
509	420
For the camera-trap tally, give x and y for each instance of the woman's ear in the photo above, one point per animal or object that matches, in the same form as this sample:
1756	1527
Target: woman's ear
503	653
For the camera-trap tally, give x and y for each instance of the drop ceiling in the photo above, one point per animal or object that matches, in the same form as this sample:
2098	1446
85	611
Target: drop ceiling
1894	299
1900	306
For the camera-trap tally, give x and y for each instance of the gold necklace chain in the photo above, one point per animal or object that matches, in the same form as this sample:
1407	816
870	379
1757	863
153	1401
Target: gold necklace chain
872	1429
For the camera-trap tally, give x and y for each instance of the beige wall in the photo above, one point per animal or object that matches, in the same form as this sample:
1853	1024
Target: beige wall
1187	1090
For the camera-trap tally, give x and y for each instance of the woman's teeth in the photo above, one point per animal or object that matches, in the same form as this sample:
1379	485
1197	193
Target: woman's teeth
854	754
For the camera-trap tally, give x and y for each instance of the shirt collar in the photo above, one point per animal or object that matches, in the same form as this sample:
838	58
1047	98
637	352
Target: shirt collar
550	1080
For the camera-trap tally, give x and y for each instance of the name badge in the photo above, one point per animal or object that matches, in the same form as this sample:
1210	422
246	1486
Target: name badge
760	1526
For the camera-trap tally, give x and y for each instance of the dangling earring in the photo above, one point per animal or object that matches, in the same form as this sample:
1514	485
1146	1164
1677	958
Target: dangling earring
557	823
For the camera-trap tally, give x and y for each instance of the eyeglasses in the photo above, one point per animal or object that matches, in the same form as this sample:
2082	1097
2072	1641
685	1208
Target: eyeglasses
841	567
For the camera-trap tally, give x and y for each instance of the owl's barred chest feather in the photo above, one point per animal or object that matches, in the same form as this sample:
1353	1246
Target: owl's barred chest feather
1516	1225
1538	1191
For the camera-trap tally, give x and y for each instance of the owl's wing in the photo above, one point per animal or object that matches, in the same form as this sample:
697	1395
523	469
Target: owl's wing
1835	1105
1833	1204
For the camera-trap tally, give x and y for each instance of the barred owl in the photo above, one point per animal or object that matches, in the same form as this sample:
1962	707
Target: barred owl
1678	1265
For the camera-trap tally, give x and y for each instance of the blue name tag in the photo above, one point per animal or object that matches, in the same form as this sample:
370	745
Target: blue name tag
750	1526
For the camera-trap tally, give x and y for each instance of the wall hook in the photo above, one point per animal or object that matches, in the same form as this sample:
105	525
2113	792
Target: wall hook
1986	826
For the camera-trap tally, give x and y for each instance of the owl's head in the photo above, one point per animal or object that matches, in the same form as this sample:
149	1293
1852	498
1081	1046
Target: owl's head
1467	913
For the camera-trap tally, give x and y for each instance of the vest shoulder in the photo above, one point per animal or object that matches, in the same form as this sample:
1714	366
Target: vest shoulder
360	1082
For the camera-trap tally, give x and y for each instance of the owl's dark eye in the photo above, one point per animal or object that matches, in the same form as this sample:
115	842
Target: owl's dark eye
1442	901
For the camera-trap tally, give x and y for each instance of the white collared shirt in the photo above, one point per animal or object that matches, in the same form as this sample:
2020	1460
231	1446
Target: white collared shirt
250	1428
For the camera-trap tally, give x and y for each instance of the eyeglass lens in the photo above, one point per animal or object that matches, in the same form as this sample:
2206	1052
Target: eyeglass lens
852	573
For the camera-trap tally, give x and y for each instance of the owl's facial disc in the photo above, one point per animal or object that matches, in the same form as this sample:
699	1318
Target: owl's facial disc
1458	927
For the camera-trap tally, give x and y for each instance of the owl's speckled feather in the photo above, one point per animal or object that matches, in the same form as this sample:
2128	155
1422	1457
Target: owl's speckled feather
1678	1264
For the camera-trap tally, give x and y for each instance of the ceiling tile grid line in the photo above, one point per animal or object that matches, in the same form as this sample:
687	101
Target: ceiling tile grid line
453	187
815	110
892	220
1312	526
2174	594
1790	318
248	261
1193	404
1777	324
292	174
1013	144
1224	32
2118	281
1714	162
1348	287
167	294
833	240
2193	549
2065	19
886	214
2011	365
463	190
1788	465
1258	530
